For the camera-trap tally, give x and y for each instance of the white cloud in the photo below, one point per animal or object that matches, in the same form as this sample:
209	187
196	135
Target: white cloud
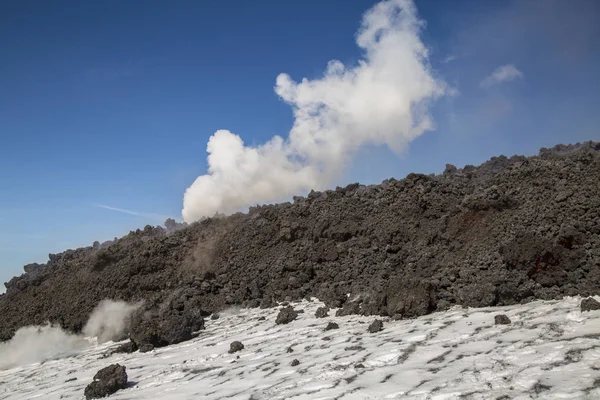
504	73
383	100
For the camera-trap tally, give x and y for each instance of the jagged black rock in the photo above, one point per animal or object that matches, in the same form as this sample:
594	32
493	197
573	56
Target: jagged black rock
512	230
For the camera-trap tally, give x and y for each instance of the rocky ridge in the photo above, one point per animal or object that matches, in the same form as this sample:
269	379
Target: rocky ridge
511	230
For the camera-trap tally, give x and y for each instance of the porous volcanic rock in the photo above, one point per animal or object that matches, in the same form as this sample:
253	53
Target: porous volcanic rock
509	231
236	346
590	304
286	315
128	347
322	312
106	382
331	325
161	324
375	326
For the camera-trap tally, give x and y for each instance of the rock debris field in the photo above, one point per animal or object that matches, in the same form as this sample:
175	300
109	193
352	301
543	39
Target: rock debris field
510	231
549	350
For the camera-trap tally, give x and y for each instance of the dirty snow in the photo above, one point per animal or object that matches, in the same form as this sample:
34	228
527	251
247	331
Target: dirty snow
550	351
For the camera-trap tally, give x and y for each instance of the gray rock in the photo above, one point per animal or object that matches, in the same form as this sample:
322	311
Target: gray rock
322	312
331	325
375	326
236	346
169	322
590	304
106	382
501	319
286	315
295	363
128	347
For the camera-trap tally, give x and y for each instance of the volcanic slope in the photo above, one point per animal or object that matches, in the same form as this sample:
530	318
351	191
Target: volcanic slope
511	230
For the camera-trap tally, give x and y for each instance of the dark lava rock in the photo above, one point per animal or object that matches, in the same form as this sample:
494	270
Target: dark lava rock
146	347
268	303
331	325
375	326
262	318
359	365
470	236
128	347
169	322
286	315
106	382
322	312
295	363
289	350
410	297
254	303
215	316
590	304
349	308
501	319
236	346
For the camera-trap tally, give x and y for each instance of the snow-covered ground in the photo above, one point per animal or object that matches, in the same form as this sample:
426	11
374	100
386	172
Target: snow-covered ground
550	351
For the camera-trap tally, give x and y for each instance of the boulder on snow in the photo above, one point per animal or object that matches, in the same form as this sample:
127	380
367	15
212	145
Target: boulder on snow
410	297
501	319
286	315
590	304
106	382
322	312
331	325
295	362
375	326
172	321
236	346
128	347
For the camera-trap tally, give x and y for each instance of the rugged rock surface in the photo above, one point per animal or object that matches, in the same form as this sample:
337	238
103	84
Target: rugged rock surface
331	325
375	326
590	304
173	321
501	319
322	312
106	382
512	230
286	315
236	346
128	347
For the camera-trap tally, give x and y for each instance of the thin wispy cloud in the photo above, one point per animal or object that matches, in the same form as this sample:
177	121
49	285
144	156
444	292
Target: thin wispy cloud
157	217
502	74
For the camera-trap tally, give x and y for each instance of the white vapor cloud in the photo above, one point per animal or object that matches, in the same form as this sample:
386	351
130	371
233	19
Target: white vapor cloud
130	212
383	100
109	320
32	344
504	73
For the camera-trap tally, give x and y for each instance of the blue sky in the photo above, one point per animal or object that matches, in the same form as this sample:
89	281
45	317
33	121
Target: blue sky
108	106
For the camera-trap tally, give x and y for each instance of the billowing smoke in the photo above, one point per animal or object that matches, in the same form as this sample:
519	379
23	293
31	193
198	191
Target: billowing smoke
39	343
109	321
383	100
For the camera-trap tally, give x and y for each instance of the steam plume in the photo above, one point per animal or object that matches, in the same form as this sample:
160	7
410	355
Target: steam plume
382	101
39	343
109	321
